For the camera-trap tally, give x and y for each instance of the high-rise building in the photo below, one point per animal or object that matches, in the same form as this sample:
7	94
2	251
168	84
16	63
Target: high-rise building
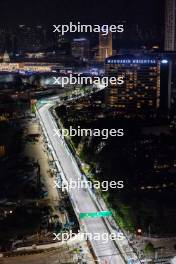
170	25
80	48
146	87
105	46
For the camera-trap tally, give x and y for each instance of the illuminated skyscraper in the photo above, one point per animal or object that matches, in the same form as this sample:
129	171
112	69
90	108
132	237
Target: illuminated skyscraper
170	25
146	87
105	46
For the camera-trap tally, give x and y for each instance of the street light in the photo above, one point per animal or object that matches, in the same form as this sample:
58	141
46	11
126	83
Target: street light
139	231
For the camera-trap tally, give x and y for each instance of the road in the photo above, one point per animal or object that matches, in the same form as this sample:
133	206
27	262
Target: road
80	198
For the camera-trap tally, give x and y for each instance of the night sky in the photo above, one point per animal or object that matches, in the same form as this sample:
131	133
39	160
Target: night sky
144	12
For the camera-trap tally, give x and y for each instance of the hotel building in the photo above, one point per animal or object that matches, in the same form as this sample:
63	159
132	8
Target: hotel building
146	87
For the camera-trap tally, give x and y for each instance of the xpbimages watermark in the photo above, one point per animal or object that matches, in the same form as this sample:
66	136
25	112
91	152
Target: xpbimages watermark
105	133
104	237
87	184
81	28
87	80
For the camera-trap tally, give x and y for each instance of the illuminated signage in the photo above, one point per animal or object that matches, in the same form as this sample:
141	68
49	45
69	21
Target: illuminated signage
95	214
133	61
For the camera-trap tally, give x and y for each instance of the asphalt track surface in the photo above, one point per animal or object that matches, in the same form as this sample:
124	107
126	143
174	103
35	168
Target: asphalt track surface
106	251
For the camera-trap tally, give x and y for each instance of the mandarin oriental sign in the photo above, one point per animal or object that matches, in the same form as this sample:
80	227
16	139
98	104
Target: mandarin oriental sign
132	61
